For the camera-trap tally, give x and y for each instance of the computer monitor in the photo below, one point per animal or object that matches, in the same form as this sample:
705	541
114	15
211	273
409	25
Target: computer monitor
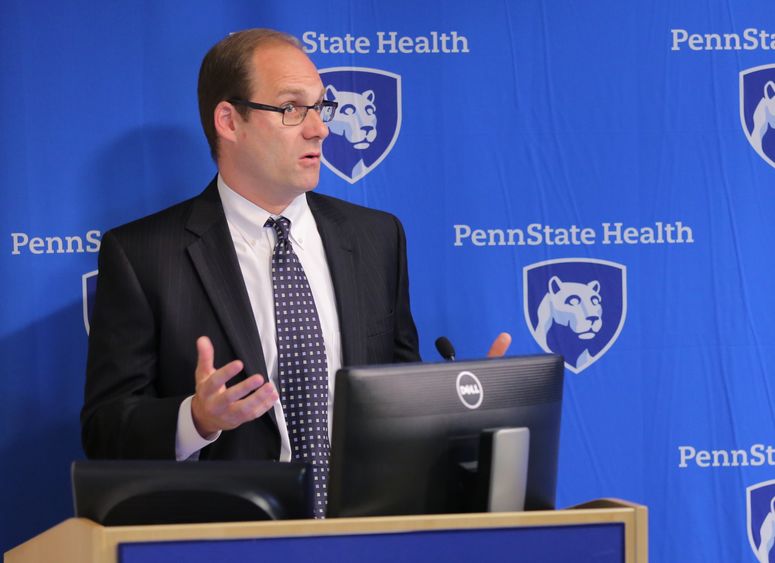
404	434
125	493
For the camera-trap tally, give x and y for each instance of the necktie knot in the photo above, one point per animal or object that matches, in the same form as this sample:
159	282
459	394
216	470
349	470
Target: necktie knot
281	226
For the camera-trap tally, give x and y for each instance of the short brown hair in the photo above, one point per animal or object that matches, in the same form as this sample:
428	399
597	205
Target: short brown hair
225	73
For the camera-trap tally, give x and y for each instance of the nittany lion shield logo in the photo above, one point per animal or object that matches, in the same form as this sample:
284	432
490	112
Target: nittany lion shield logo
757	109
575	307
366	123
89	288
760	512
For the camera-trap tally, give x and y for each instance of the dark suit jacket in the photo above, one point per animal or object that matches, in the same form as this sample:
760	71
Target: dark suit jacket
169	278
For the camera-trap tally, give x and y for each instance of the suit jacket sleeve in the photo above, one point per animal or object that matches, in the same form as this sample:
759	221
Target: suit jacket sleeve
123	416
406	345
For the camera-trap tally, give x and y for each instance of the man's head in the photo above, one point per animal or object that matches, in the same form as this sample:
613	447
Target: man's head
253	148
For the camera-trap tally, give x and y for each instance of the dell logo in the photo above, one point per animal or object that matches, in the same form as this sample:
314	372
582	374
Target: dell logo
469	389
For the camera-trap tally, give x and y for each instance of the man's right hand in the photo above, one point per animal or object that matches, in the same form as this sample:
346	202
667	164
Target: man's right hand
216	407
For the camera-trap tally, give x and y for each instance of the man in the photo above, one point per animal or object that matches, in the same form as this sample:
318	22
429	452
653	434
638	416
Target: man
187	349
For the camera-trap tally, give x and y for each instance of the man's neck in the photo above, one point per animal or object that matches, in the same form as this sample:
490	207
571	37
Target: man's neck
271	202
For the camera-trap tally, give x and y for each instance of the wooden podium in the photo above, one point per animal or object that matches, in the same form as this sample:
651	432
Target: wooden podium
600	531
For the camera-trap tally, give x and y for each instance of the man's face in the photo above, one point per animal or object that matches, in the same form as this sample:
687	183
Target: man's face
280	161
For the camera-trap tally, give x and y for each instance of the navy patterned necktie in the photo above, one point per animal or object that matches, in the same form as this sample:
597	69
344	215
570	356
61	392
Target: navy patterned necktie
302	368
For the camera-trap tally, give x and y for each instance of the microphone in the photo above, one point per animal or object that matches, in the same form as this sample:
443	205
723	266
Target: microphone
445	348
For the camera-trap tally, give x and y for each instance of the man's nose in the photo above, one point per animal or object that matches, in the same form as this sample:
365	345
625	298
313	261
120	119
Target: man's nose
314	126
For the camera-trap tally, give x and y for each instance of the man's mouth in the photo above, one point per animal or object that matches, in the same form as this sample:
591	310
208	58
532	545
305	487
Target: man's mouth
311	156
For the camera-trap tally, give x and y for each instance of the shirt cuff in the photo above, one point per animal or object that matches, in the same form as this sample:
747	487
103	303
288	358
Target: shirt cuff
188	442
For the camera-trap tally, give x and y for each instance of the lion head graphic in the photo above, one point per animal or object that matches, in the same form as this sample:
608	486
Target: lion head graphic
576	311
763	117
355	121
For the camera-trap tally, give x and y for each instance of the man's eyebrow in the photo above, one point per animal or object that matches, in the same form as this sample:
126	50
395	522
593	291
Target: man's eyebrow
300	92
294	91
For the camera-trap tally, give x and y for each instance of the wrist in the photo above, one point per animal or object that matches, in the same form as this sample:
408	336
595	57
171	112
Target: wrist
205	430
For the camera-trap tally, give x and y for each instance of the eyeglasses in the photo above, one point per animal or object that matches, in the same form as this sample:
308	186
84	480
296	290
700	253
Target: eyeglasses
293	114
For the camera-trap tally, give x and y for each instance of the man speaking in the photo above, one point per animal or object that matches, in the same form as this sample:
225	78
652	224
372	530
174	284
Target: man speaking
219	323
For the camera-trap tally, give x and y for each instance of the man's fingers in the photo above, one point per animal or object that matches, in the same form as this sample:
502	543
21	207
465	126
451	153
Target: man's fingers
237	412
219	377
243	388
258	403
500	345
204	358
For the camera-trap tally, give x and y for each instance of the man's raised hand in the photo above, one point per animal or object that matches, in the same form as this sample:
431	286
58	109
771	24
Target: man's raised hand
216	407
500	345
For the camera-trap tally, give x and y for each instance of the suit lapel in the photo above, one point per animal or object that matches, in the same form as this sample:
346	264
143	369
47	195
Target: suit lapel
216	262
338	236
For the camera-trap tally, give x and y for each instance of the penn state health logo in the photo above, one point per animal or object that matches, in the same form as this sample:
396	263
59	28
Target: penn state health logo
89	289
366	123
757	109
575	307
760	513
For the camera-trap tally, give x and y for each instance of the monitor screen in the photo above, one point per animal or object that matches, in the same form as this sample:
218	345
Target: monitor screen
404	434
125	493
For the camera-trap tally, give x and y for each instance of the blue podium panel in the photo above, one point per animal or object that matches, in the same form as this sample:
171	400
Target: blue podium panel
599	543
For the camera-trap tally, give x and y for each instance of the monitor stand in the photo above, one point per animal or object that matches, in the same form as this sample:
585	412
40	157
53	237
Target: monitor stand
497	482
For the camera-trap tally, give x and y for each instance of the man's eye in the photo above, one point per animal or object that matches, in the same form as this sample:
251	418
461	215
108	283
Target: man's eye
289	108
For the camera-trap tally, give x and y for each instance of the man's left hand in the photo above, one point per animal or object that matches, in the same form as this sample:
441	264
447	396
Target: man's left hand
500	345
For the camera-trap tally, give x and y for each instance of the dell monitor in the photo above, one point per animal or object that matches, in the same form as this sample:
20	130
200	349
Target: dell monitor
406	437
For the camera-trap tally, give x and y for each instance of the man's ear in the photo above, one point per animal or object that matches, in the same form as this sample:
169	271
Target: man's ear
227	121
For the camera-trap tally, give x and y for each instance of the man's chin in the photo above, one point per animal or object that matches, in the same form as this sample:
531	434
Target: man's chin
309	183
313	181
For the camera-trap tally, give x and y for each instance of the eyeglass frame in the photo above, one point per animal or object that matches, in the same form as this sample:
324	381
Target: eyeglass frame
318	107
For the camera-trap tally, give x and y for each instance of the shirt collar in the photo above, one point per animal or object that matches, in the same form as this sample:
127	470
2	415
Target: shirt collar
249	218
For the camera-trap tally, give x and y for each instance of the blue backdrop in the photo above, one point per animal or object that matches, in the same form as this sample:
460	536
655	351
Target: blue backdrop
595	177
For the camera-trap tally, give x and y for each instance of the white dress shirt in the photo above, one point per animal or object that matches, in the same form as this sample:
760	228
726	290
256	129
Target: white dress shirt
254	245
